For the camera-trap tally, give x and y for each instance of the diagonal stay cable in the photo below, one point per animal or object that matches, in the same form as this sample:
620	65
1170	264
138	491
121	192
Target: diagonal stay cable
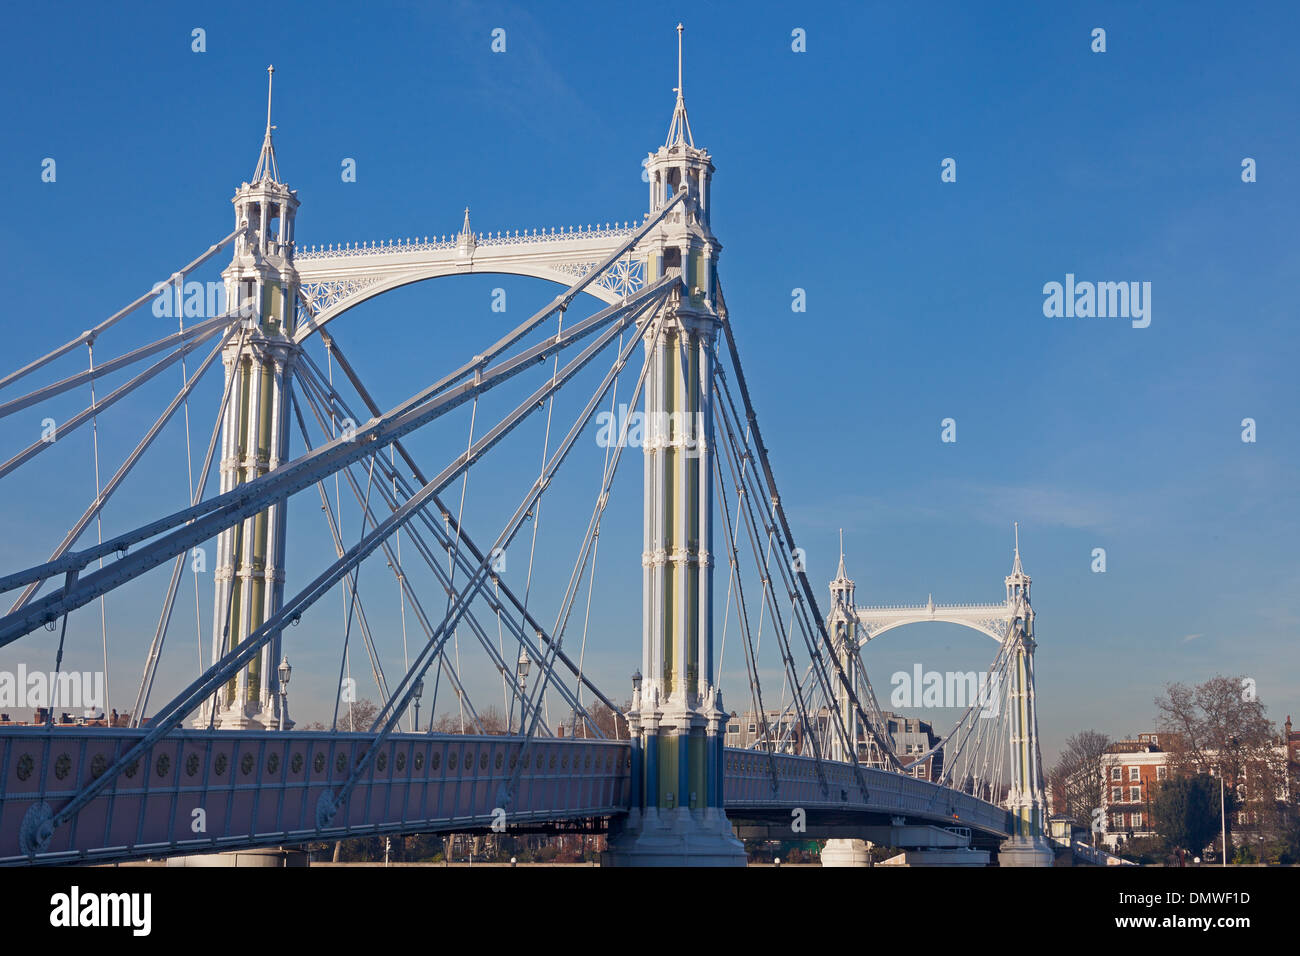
175	711
93	333
94	508
742	613
526	619
590	538
441	534
164	617
330	805
405	586
251	497
811	607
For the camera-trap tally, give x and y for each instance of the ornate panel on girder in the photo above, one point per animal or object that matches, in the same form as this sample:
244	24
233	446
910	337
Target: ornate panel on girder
328	293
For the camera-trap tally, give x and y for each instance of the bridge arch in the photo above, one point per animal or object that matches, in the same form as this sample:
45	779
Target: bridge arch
341	293
992	621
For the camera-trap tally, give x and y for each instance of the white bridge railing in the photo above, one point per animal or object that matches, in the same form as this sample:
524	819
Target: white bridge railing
748	781
454	241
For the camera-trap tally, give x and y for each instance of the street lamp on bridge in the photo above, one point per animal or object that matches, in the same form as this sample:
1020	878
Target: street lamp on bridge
522	667
284	672
417	691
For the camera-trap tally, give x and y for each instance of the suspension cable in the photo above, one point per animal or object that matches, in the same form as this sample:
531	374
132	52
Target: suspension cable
164	617
91	334
99	523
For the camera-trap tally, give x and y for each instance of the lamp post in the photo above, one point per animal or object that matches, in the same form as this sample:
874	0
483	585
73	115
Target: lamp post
1222	821
417	691
284	672
521	681
1223	817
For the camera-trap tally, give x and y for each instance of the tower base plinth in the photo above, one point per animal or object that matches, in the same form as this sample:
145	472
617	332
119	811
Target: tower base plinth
1026	852
846	853
679	837
956	856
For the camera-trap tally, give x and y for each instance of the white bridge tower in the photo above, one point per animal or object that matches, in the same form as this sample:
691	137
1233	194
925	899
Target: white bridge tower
1025	801
677	722
262	282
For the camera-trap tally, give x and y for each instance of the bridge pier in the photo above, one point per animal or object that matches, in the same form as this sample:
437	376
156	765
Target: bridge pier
846	853
275	858
952	857
679	837
1025	852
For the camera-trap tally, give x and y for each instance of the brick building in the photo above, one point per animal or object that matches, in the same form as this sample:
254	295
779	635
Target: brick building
1134	770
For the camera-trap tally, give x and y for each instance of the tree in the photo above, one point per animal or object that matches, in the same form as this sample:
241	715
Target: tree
611	723
493	721
362	714
1186	812
1220	725
1079	778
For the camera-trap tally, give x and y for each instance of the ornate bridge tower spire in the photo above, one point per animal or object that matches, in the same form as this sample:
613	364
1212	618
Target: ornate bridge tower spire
678	725
1025	801
841	625
262	283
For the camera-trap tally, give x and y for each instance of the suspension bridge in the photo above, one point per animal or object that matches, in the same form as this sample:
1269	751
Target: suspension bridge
219	766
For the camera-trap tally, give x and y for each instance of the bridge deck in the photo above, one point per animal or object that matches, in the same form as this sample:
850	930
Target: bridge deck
199	791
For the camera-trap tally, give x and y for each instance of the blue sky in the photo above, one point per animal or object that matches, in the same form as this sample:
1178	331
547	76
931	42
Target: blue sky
924	298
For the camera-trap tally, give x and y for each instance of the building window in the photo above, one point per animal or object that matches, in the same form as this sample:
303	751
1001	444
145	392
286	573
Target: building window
1116	773
733	728
1134	794
1137	821
1117	822
1134	773
1117	795
1162	773
752	728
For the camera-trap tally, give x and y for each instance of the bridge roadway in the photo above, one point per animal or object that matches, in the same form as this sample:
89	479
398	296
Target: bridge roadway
262	789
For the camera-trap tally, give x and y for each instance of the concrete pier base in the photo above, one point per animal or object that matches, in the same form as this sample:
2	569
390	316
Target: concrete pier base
1021	852
271	857
679	837
954	857
846	853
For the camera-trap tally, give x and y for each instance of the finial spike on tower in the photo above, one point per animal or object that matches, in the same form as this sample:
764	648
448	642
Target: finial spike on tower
679	130
1016	567
680	90
270	76
267	168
